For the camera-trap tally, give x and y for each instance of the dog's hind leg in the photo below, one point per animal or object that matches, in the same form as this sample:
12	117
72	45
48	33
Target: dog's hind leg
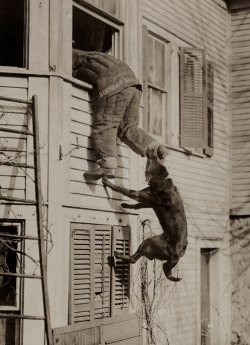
167	269
127	258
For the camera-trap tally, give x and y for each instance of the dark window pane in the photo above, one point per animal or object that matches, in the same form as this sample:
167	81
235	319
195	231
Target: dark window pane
8	263
12	13
89	33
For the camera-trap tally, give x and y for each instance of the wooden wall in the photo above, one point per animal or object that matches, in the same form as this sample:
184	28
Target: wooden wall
240	102
203	182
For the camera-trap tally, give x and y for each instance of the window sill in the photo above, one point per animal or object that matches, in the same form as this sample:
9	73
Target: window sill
187	152
25	72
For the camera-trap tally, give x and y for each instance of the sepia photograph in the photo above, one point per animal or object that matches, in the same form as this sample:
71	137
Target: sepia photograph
124	172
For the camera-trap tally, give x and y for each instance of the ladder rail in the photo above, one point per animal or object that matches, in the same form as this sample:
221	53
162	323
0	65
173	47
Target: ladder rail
39	204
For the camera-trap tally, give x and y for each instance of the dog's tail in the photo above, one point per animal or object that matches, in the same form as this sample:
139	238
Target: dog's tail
168	272
173	279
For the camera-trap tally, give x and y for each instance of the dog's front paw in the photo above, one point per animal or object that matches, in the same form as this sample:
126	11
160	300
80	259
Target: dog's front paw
117	255
106	182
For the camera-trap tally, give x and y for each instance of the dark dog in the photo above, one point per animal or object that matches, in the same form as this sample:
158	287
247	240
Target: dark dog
164	198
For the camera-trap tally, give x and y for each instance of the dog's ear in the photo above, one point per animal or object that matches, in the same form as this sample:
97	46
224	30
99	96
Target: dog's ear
163	172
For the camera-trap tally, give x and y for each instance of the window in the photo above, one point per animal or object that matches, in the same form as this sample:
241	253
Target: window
12	28
10	287
155	85
99	288
91	32
178	92
196	100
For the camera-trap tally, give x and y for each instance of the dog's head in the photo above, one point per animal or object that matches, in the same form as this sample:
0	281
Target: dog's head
155	167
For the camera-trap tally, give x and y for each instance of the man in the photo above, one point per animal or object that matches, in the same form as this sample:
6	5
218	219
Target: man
116	100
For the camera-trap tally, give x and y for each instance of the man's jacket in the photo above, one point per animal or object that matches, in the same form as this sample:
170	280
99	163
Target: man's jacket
107	74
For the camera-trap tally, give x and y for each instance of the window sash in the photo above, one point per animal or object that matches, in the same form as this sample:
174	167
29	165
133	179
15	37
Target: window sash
116	49
155	81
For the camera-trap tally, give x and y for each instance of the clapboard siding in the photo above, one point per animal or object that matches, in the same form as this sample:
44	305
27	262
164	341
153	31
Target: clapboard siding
203	182
13	146
82	156
240	112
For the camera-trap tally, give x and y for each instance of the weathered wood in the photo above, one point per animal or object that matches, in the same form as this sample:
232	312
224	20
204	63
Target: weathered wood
39	210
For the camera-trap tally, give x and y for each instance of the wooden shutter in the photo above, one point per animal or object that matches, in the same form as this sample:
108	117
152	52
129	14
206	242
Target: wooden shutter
145	70
81	295
192	92
102	283
209	109
121	271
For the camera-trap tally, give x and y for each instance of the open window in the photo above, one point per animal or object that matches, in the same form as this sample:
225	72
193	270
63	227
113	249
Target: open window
99	287
94	32
10	286
13	33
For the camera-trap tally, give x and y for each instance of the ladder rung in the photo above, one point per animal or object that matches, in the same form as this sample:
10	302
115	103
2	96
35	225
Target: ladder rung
10	130
19	275
17	100
19	236
16	316
10	198
17	165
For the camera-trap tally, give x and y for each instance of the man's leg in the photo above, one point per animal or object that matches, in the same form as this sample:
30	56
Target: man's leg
107	117
133	136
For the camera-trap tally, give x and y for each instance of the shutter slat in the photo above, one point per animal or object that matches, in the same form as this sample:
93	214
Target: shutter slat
81	276
209	110
192	131
121	271
102	271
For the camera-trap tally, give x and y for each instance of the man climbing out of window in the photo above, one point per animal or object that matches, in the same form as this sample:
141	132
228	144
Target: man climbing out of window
116	100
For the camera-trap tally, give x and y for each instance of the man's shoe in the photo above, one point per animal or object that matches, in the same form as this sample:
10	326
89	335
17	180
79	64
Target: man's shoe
162	152
98	173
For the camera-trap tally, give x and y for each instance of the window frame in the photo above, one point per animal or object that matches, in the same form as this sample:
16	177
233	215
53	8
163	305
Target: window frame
215	271
19	285
25	54
114	22
149	86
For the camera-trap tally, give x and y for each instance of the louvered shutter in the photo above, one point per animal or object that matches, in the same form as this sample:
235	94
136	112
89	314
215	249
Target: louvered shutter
81	299
209	108
121	271
102	280
145	70
192	92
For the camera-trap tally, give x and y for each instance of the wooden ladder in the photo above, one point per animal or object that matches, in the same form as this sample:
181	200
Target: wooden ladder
39	203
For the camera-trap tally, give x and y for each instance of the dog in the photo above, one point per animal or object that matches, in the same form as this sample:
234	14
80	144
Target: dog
163	196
